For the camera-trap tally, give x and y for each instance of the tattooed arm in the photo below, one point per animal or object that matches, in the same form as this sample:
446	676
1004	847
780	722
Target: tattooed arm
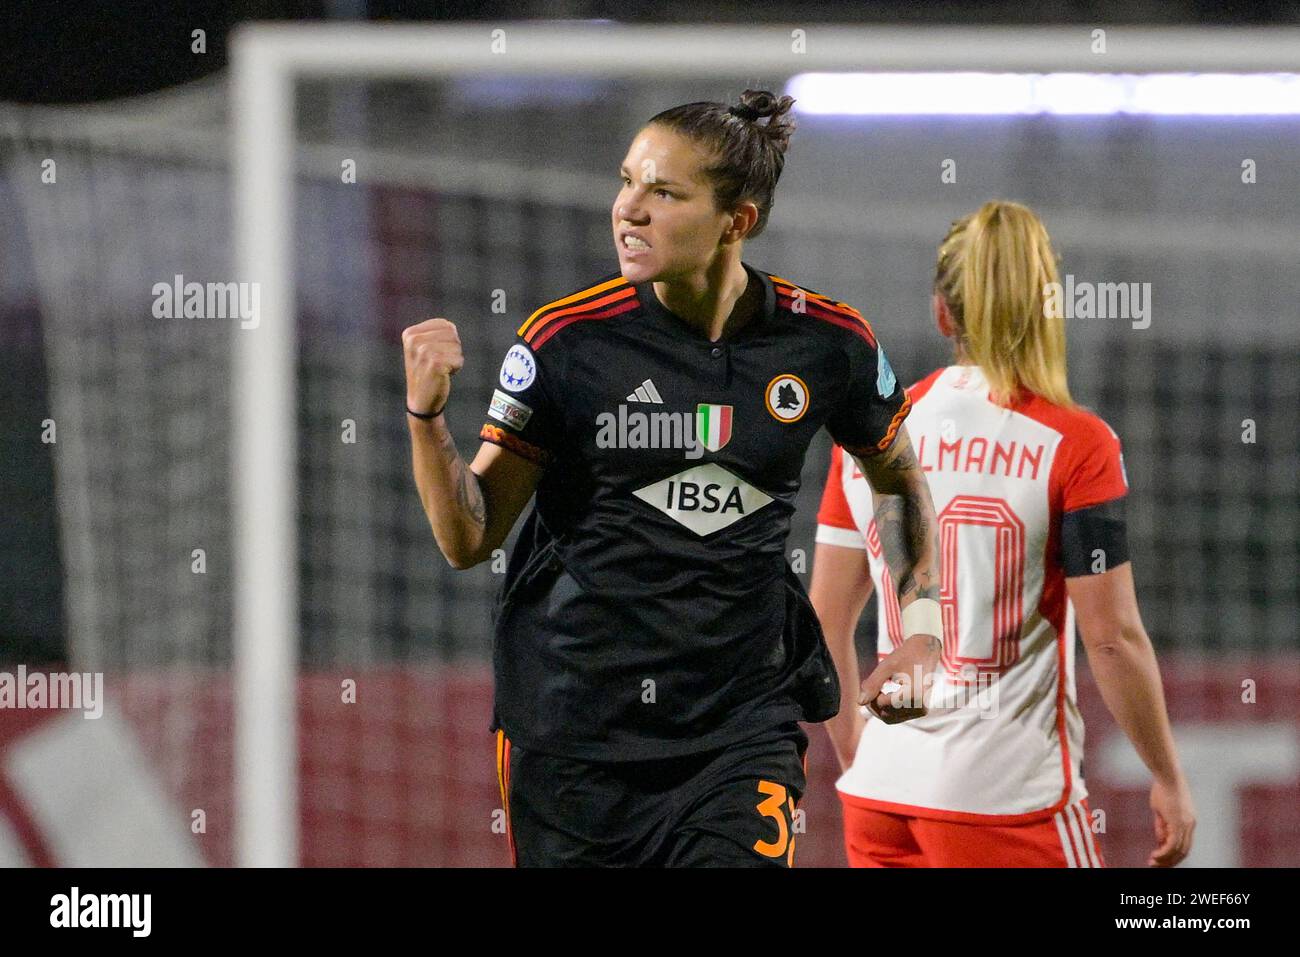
908	530
905	520
471	509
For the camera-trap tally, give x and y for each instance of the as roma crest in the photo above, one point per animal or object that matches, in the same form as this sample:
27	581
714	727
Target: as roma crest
787	398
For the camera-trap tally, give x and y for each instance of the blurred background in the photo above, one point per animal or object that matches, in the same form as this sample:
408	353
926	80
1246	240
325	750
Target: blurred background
116	425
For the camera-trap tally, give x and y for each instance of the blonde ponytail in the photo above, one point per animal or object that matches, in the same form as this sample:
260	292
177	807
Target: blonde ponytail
994	267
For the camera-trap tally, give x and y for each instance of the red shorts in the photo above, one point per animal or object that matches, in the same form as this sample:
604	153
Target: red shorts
882	839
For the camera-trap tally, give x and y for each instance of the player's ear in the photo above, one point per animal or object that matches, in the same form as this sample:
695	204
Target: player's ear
743	220
943	317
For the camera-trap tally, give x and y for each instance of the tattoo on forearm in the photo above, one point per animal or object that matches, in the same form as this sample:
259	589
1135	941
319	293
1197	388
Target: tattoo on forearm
469	496
904	530
892	469
905	521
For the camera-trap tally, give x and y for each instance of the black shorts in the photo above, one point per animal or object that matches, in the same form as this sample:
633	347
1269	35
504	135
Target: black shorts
733	807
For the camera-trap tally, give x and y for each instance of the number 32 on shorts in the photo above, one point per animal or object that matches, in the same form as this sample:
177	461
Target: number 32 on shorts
779	806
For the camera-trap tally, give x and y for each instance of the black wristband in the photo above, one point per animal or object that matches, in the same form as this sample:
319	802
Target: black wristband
425	416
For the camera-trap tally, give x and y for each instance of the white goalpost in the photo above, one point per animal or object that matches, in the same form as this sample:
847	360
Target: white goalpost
267	63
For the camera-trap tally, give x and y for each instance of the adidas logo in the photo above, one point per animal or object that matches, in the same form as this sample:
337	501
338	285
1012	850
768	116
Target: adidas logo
646	392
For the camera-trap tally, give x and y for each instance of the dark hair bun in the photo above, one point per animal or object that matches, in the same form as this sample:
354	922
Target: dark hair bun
764	103
759	104
746	144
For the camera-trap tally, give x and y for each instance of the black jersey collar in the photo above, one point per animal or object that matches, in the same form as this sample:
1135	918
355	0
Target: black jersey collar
654	308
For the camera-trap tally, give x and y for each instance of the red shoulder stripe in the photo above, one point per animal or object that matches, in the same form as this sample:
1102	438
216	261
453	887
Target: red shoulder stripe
537	332
626	305
824	300
857	325
596	290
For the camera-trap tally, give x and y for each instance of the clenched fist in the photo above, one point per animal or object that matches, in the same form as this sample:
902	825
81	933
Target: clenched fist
433	355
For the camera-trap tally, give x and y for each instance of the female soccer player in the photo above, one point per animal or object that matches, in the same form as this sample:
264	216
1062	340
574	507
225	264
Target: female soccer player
653	651
1030	490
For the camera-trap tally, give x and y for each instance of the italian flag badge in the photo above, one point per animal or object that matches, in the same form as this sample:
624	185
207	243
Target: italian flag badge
713	426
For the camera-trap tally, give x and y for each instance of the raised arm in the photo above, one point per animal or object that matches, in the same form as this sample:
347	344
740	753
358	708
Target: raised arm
906	524
471	509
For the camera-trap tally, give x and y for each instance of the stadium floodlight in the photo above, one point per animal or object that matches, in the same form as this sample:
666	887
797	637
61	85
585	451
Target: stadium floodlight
1064	94
267	62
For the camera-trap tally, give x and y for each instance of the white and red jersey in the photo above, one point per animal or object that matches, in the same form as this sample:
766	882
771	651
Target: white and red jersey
1003	739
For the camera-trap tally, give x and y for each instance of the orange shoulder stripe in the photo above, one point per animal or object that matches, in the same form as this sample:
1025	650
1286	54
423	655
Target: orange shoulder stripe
821	300
592	291
594	305
836	308
806	292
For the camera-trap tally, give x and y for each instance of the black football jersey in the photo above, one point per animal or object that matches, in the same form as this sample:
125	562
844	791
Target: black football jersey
648	609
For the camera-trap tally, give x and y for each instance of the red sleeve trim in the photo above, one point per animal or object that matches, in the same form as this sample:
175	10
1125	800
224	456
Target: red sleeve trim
894	425
513	443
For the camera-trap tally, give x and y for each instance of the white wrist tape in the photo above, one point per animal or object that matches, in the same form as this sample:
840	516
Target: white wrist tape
923	617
